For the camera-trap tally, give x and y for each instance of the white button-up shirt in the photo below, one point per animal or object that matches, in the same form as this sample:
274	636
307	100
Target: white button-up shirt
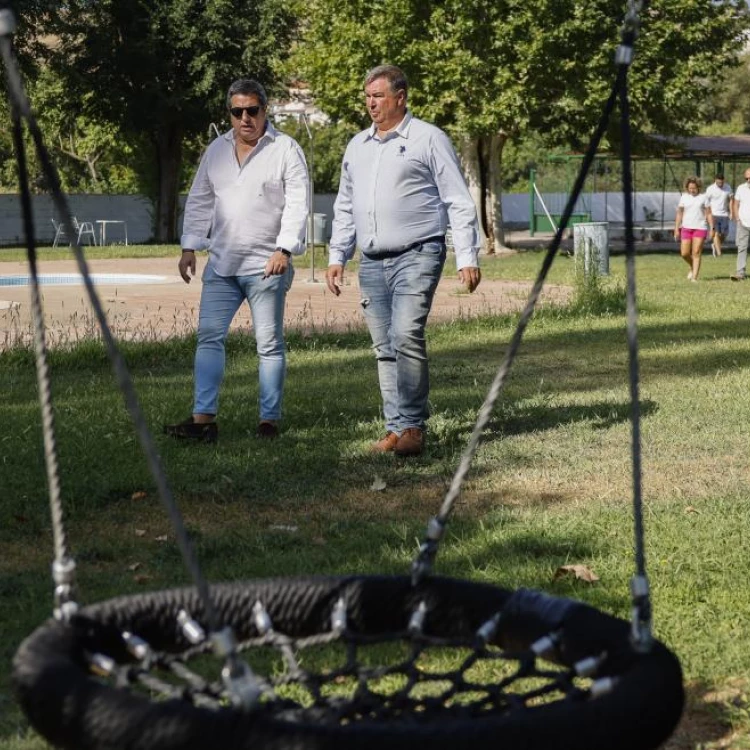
399	190
242	213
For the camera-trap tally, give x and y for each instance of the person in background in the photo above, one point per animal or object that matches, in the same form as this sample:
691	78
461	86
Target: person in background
250	196
401	187
691	225
719	195
741	215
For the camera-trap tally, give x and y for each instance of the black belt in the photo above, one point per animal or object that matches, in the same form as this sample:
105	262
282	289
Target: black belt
401	251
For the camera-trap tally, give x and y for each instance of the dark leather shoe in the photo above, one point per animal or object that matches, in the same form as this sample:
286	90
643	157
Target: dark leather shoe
206	432
267	431
411	442
386	444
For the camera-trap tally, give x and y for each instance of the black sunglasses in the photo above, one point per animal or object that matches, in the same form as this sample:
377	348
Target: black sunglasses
252	111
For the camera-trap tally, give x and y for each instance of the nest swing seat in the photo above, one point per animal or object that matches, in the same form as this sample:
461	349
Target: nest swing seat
339	663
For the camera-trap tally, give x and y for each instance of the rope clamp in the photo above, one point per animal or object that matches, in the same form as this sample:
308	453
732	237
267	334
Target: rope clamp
63	574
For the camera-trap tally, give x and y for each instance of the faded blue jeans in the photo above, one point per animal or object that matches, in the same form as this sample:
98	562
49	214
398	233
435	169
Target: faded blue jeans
221	297
396	296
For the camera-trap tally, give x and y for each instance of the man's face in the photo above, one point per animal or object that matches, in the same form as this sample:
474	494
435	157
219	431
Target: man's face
386	108
247	127
720	181
747	174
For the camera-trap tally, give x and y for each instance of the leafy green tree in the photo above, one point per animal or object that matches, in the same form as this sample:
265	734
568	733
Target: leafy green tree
159	70
727	108
490	71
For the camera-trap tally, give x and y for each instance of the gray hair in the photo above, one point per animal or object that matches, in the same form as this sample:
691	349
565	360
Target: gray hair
395	77
247	87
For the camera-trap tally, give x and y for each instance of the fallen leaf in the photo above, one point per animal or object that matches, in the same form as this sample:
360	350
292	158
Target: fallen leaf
378	484
142	578
581	572
140	532
162	538
138	496
691	509
132	568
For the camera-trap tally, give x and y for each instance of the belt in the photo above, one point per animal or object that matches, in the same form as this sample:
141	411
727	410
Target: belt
400	251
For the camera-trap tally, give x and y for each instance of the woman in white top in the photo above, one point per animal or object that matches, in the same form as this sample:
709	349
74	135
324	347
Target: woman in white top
691	225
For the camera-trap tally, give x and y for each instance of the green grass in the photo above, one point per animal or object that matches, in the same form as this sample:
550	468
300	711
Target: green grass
551	484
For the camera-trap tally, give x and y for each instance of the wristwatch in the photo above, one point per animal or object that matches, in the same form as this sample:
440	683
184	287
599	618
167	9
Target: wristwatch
286	252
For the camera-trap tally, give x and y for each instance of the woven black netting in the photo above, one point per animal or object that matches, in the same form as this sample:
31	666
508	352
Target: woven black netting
358	662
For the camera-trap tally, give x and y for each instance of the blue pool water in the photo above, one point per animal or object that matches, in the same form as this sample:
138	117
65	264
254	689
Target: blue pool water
48	279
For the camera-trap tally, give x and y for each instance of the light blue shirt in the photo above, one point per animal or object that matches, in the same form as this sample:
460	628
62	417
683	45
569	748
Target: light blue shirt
399	190
242	212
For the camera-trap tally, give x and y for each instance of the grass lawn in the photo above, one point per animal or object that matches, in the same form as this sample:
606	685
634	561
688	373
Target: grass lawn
551	484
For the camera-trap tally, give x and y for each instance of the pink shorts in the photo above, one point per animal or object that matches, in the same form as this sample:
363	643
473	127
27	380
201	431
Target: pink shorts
691	234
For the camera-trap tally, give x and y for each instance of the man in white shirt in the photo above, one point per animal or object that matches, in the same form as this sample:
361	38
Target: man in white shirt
719	197
401	187
741	214
247	206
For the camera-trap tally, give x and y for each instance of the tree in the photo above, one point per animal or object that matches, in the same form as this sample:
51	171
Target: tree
490	71
159	70
727	109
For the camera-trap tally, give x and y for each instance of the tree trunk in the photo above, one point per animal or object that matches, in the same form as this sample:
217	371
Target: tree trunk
168	145
494	192
470	161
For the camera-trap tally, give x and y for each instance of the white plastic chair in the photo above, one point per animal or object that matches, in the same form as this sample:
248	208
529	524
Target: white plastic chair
80	228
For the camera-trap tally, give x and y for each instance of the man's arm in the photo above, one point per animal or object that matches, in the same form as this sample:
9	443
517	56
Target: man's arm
196	225
462	213
291	235
343	233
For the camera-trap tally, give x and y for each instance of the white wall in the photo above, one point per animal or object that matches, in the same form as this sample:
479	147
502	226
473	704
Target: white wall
136	210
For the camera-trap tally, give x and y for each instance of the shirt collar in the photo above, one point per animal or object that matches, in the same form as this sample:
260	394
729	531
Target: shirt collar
402	129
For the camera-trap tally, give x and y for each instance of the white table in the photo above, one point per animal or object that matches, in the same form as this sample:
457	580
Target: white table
103	229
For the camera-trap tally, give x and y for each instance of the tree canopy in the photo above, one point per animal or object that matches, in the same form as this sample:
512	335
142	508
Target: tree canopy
493	70
159	69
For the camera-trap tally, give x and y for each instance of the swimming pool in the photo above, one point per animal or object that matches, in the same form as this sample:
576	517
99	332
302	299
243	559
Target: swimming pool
49	279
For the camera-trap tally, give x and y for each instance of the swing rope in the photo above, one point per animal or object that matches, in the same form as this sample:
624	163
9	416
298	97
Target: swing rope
424	561
238	674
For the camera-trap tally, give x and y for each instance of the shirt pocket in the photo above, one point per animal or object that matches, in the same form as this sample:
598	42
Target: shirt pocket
273	192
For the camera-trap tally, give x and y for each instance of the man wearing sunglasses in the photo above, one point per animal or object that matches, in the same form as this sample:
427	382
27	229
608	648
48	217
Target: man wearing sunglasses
401	186
248	207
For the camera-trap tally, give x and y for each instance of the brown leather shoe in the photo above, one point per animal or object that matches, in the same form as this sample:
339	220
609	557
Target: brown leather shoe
385	444
411	442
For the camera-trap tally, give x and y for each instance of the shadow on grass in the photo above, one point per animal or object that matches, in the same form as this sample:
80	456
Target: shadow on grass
708	718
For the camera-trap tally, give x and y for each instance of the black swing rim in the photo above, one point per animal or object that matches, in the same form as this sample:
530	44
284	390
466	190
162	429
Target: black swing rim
72	709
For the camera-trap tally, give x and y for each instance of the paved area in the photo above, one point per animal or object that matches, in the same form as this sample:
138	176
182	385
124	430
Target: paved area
170	307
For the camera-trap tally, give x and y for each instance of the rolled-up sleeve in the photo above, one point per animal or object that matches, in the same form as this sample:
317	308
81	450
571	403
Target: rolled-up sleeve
462	213
199	210
291	235
343	232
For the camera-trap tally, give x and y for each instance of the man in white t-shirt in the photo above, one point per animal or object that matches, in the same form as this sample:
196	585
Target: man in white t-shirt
719	197
741	214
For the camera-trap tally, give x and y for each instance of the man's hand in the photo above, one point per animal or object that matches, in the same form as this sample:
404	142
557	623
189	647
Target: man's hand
276	264
470	276
187	263
334	279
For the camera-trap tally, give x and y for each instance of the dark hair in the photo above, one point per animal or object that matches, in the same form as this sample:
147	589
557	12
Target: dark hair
394	75
693	180
247	87
719	176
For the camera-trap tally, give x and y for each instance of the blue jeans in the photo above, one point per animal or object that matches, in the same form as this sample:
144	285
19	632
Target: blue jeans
397	294
221	297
